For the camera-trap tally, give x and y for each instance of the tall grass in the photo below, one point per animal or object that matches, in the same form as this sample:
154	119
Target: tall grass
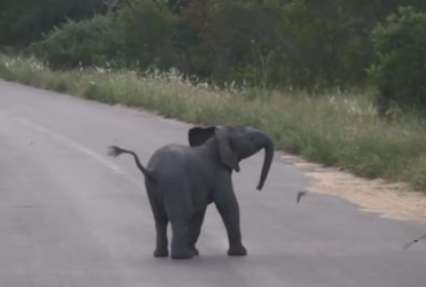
334	128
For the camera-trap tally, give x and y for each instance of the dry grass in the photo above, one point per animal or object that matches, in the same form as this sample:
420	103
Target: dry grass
334	128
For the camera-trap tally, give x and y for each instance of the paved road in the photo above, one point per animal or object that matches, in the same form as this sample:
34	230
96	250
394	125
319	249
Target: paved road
71	216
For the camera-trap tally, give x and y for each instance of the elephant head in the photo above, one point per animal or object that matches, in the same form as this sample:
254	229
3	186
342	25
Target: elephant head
235	144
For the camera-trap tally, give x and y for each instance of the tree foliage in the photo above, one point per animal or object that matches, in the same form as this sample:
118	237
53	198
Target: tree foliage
148	29
303	43
24	21
400	67
85	43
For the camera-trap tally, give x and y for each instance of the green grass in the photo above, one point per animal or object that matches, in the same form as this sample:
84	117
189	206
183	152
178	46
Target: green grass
332	128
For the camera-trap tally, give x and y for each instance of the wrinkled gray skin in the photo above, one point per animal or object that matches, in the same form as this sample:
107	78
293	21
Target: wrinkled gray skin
181	181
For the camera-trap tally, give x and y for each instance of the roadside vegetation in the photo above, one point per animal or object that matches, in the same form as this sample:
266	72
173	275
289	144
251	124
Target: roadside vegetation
338	82
334	128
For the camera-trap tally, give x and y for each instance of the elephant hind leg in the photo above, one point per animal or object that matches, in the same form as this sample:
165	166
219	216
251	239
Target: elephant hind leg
178	206
161	221
196	222
180	243
179	215
161	249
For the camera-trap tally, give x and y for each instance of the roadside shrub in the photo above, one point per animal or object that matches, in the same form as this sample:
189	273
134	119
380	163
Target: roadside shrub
400	70
148	28
5	73
85	43
331	128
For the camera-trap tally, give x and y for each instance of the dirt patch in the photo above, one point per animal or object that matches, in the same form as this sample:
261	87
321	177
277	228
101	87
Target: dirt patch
389	200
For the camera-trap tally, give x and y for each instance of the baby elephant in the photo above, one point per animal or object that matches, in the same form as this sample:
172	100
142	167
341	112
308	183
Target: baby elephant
181	181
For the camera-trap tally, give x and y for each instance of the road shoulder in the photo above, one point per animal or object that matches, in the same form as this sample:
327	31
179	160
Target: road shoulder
389	200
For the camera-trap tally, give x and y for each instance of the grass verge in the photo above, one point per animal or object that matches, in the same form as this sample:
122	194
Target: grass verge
336	129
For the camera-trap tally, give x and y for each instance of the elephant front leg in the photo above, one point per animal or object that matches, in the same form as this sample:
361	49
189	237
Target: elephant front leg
228	208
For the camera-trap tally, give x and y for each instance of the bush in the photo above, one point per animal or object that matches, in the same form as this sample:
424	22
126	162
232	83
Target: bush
85	43
148	28
332	128
399	71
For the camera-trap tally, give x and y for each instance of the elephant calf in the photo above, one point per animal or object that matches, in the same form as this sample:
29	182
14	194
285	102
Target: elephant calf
181	181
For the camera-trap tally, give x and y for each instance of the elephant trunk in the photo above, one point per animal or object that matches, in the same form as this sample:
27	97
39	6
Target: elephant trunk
269	155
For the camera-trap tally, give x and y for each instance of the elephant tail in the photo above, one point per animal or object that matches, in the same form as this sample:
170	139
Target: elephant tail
116	151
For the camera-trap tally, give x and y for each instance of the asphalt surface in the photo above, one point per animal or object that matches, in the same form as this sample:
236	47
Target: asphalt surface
72	216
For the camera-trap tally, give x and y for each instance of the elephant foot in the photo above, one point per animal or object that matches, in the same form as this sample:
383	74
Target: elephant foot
161	253
237	251
182	254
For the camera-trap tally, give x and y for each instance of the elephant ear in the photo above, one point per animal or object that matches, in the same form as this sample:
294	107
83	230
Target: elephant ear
198	135
226	154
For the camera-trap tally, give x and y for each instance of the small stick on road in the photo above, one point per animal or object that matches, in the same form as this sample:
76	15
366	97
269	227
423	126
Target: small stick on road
301	194
407	245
